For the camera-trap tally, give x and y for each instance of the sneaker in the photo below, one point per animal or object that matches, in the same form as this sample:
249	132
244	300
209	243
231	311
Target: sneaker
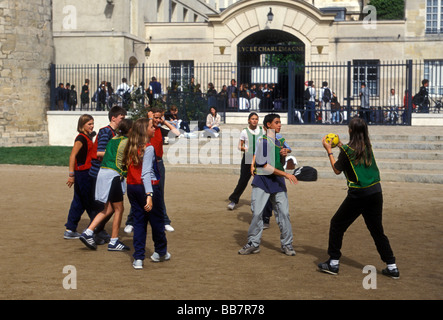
288	250
128	229
266	225
138	264
327	268
156	257
118	246
102	237
88	241
69	235
231	205
248	249
394	273
169	228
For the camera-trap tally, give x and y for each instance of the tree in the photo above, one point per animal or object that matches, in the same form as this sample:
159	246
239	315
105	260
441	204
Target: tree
389	9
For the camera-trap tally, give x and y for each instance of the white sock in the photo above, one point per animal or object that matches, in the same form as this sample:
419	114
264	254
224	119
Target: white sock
89	232
113	241
392	266
333	262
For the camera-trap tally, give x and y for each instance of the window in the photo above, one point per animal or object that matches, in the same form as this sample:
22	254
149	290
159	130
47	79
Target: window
366	71
434	73
434	16
181	72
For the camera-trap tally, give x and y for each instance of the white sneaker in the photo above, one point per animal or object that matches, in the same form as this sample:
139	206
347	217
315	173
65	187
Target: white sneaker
231	205
138	264
169	228
128	229
156	257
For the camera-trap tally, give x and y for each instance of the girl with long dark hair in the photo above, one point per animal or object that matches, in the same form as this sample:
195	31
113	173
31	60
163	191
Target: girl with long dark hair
364	197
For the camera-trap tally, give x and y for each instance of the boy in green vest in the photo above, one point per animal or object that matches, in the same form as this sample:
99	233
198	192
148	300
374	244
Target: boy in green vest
269	183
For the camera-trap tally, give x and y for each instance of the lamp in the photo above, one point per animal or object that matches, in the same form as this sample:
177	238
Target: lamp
147	52
270	15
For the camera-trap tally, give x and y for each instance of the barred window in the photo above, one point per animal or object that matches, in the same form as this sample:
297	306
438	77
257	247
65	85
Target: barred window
366	71
434	16
434	73
181	72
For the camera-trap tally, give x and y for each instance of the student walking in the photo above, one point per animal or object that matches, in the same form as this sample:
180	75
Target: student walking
144	192
364	197
269	183
109	190
247	144
105	134
79	165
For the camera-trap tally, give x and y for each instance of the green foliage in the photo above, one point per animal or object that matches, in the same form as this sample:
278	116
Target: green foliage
389	9
43	156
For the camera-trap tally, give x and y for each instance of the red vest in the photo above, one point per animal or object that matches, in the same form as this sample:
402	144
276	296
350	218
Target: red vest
134	175
87	165
157	142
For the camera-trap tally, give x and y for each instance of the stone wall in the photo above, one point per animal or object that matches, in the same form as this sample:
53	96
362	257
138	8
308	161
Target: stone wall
26	52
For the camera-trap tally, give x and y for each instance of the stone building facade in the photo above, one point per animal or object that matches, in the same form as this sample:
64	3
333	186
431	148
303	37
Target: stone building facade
26	52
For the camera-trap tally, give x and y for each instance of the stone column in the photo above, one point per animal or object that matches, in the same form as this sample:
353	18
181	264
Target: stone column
26	52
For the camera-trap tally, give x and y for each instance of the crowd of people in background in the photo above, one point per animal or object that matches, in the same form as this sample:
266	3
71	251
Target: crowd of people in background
317	105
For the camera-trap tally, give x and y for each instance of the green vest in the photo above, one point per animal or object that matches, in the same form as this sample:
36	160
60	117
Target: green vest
366	176
114	155
252	141
277	164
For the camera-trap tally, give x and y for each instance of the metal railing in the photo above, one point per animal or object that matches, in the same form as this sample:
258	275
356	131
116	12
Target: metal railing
284	93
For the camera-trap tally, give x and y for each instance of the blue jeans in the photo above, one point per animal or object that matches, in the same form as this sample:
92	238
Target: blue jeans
335	116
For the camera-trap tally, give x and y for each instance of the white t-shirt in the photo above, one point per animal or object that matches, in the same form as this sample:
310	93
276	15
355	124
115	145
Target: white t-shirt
244	136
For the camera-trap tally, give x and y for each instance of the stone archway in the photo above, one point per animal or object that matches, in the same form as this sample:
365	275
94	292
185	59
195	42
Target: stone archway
269	43
298	19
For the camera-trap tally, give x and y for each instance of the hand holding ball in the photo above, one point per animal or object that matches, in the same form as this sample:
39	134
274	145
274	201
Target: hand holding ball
332	139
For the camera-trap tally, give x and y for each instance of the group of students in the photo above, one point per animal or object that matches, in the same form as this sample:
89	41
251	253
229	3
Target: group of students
126	157
265	153
134	150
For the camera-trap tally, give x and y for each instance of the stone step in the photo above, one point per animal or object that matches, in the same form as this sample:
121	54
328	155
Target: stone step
228	152
404	154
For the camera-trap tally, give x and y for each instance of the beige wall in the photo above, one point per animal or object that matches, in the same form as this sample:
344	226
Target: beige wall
96	32
337	41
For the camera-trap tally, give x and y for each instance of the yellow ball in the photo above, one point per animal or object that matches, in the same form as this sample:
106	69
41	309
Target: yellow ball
333	139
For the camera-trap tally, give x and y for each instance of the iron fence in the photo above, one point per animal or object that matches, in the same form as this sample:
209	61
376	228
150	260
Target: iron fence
391	87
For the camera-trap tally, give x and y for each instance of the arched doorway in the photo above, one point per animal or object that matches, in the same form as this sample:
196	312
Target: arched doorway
270	46
263	59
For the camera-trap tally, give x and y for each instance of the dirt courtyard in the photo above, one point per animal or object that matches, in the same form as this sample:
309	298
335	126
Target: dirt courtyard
205	264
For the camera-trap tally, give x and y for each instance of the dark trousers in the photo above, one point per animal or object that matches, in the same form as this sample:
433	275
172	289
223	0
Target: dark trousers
371	207
82	200
137	199
309	116
242	184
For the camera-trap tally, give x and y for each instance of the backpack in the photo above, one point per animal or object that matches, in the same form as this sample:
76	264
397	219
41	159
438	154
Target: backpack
73	97
307	94
95	96
326	95
417	99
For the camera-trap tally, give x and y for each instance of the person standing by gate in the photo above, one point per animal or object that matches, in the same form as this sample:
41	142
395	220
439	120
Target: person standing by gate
365	112
309	116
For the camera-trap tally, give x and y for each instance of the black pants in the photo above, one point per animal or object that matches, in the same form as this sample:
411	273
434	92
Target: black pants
371	207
